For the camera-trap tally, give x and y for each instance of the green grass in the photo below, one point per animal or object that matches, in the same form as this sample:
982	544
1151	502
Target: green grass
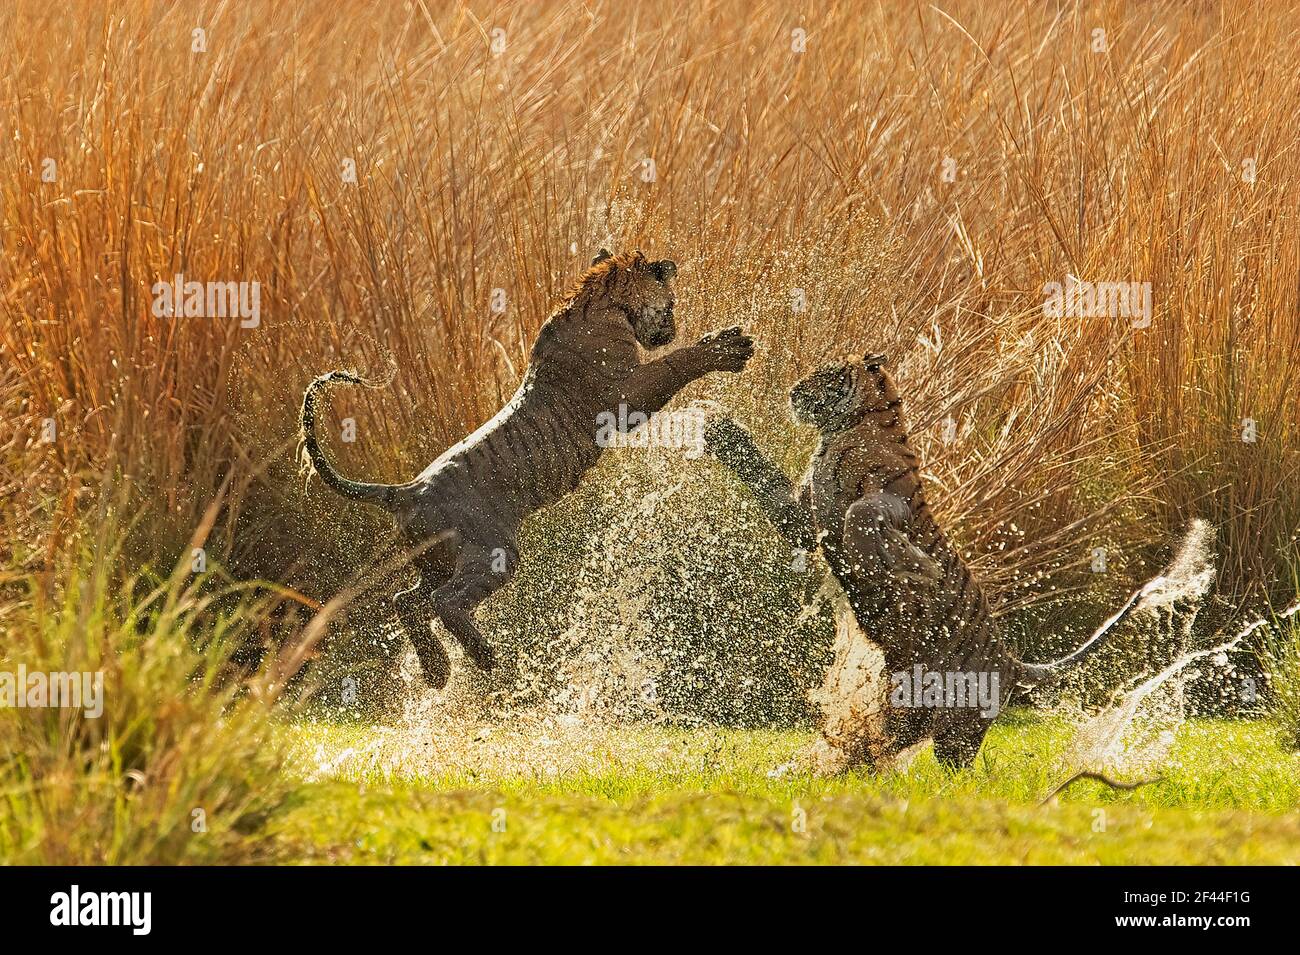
706	796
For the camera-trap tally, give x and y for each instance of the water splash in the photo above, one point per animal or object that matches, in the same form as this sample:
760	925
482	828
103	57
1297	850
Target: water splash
1136	729
531	745
584	704
853	695
599	668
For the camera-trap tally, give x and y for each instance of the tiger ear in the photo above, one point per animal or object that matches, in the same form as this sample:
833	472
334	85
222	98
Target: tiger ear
874	362
601	256
663	269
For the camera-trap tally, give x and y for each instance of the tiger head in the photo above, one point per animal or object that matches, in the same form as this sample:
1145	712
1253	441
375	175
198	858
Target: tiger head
838	395
641	289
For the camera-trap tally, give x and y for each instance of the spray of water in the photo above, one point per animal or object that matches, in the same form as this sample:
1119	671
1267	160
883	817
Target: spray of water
592	700
852	697
638	628
1134	731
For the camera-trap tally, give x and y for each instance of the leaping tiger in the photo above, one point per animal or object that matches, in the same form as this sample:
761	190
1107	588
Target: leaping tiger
466	508
864	502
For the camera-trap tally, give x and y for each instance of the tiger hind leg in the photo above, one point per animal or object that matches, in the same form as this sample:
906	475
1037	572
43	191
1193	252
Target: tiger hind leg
481	571
412	606
958	737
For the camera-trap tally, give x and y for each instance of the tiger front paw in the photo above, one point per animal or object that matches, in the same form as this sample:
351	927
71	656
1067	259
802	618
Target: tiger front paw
726	350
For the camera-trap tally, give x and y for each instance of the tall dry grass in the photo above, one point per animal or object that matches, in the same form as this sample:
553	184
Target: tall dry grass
774	170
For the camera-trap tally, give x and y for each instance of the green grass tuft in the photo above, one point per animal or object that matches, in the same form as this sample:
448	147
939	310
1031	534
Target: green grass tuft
706	796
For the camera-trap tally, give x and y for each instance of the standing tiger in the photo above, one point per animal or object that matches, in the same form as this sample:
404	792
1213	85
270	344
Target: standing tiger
466	508
864	501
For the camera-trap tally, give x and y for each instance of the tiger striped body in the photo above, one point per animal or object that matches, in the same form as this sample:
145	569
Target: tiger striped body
947	617
461	516
863	502
909	588
538	447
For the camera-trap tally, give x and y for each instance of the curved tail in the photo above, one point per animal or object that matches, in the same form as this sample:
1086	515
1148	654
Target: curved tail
314	455
1032	674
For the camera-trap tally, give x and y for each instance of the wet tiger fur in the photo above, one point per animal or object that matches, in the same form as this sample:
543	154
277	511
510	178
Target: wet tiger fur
864	502
466	508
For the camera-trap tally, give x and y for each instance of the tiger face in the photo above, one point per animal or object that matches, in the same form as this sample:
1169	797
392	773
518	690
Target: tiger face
838	395
642	290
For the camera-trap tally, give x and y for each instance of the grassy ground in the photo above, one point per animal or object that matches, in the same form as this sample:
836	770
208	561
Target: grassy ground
710	796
